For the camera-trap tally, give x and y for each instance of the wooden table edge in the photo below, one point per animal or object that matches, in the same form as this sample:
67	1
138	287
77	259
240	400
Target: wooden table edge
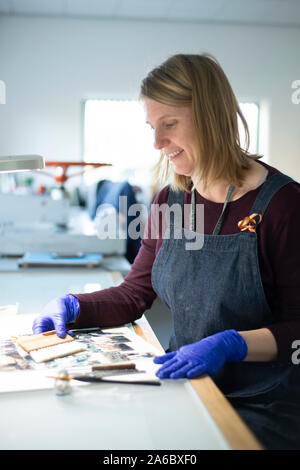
233	428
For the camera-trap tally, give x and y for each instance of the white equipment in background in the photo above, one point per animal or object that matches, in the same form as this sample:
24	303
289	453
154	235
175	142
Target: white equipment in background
37	223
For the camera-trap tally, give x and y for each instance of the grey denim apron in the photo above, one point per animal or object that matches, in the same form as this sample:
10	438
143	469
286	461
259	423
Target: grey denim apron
219	287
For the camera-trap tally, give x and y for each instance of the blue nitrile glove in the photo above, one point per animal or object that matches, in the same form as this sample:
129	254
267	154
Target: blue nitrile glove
203	357
56	314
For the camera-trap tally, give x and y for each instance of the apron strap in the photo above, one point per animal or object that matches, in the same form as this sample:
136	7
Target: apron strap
268	190
192	213
218	224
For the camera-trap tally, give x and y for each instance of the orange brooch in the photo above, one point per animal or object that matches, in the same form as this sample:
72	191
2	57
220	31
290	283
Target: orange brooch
250	222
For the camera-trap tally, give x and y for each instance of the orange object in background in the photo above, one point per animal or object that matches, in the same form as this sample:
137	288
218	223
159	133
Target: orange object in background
60	169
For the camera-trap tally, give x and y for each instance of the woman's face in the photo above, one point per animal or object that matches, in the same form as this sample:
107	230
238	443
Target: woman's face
174	134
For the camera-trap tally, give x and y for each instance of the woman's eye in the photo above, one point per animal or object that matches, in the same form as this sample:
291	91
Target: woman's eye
169	125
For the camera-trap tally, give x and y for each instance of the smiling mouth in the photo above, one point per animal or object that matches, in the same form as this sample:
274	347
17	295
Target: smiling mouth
172	155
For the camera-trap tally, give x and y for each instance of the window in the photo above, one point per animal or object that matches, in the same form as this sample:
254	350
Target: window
251	114
115	132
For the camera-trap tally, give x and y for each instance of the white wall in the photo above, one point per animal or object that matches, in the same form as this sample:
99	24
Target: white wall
51	65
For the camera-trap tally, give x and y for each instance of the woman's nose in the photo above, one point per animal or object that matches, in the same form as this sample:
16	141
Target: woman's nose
160	141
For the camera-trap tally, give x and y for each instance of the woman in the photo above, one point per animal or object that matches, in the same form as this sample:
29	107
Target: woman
236	301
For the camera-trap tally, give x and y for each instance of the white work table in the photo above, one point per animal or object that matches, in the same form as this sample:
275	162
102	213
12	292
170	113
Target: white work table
186	415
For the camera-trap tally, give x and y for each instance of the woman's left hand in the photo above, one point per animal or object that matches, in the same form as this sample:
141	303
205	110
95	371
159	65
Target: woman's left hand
203	357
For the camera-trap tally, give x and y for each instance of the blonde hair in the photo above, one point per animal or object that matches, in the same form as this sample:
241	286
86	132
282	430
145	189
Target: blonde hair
199	81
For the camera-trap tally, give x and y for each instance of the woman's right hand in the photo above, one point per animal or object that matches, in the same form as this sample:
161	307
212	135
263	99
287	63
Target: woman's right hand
56	314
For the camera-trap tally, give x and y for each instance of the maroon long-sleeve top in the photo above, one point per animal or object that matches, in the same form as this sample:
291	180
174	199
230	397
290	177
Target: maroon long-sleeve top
279	261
